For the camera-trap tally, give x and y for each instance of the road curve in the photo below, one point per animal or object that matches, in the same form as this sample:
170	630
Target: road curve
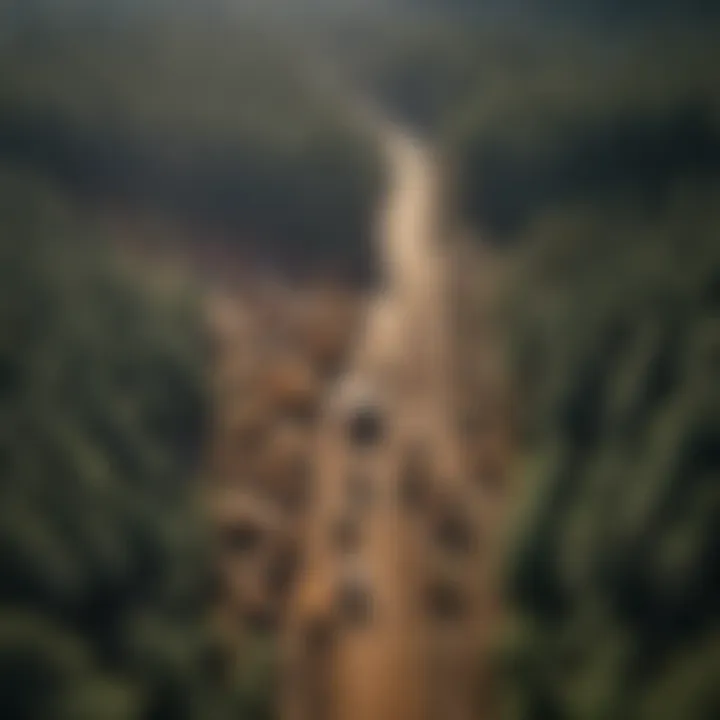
379	666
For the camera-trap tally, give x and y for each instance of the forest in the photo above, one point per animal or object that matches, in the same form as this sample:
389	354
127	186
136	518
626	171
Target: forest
584	142
185	114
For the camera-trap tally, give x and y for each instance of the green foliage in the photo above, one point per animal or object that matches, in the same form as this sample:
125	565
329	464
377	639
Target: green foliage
418	67
614	12
207	119
614	197
102	407
621	124
617	323
256	681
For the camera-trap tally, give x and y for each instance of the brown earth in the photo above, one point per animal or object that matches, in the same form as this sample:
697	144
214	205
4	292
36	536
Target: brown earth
370	544
392	620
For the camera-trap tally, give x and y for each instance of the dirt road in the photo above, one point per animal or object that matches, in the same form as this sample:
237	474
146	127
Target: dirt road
383	627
